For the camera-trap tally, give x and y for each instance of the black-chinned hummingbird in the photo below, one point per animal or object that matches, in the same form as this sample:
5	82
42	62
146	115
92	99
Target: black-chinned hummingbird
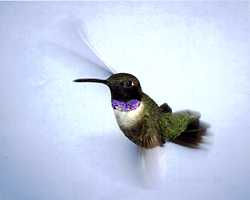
143	121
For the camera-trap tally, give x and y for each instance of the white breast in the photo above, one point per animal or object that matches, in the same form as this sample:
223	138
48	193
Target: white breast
130	118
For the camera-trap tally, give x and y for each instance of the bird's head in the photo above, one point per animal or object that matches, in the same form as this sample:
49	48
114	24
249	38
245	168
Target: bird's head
123	86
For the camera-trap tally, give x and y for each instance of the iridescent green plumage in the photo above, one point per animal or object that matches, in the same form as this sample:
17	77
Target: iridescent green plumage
173	124
157	124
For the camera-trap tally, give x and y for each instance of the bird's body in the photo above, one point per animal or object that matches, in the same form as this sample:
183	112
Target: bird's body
143	121
149	125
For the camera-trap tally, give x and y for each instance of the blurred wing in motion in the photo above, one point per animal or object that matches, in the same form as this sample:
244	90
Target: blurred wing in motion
153	164
90	51
60	58
69	49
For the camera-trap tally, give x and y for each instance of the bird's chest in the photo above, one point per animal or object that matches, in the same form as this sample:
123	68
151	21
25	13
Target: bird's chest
129	119
132	123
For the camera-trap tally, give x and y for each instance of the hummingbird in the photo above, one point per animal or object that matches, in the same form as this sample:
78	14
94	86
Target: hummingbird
139	117
143	121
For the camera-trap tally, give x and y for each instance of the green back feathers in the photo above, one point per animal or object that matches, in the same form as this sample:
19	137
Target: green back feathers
174	124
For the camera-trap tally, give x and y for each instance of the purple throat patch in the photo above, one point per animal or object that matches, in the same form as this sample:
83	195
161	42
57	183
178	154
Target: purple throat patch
125	106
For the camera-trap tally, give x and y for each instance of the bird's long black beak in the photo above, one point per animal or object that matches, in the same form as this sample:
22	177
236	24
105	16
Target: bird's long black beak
91	80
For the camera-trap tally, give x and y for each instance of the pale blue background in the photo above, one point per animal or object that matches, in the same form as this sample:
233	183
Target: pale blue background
59	140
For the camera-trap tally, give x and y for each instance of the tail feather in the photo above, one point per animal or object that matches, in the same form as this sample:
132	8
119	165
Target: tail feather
194	134
183	128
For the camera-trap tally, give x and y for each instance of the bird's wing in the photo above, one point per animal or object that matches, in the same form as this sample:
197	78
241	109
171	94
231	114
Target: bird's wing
93	54
165	108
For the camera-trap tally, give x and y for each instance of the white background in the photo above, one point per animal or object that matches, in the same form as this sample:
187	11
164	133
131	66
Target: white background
59	140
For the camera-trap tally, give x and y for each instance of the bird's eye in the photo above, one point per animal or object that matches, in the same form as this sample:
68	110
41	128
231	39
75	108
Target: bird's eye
130	83
127	84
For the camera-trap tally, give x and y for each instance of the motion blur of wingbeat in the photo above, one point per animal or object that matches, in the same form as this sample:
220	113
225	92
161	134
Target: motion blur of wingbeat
60	139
